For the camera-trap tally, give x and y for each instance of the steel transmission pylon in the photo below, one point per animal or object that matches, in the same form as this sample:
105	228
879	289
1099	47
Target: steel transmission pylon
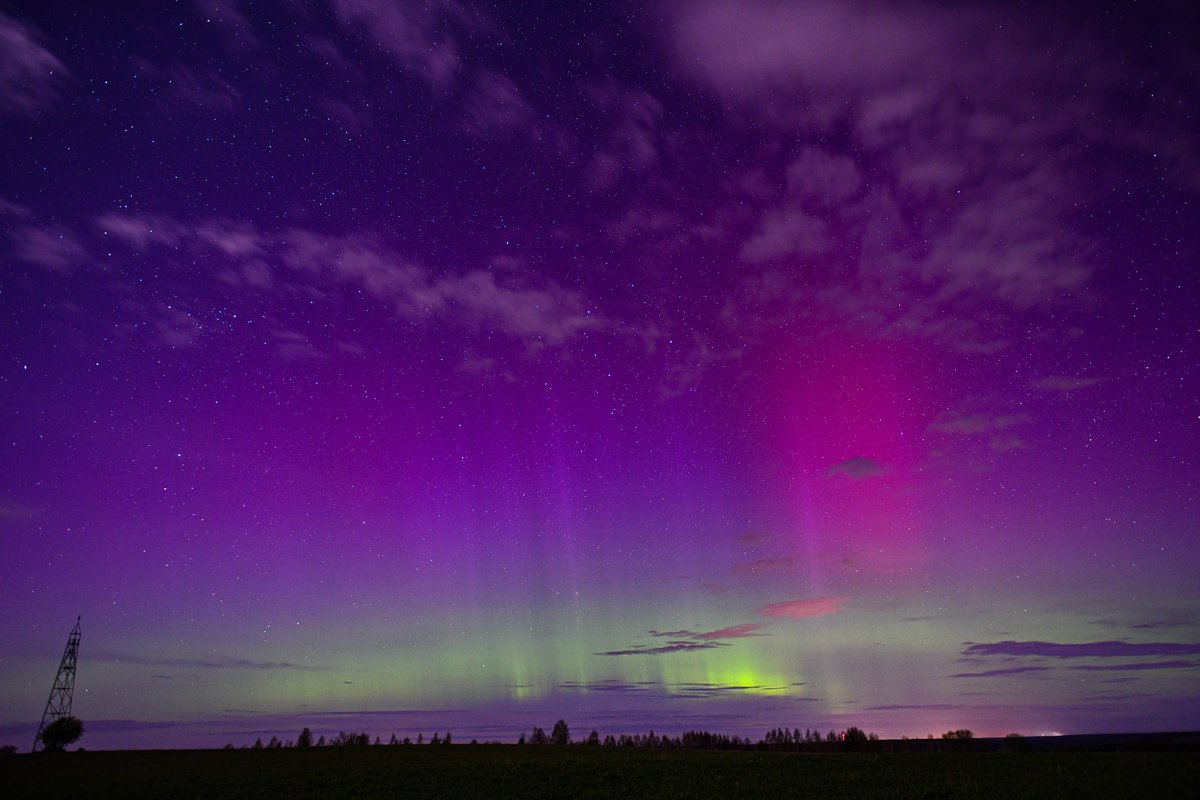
59	704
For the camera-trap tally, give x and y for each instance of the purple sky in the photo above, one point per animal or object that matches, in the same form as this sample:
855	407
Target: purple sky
401	366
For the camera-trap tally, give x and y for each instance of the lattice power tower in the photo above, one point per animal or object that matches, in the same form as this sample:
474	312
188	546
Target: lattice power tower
59	704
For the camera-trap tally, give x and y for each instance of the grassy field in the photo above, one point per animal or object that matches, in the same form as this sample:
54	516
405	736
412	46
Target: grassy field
461	772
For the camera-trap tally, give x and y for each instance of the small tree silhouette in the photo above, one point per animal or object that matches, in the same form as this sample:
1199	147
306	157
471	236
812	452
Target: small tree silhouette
594	738
305	739
62	732
561	733
538	736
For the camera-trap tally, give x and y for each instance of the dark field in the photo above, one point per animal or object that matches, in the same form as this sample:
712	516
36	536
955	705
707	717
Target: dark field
490	771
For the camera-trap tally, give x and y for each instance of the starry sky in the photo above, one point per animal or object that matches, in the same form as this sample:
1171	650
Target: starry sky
410	366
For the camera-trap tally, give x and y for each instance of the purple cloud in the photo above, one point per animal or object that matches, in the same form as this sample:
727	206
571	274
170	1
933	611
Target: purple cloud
804	608
732	632
1065	383
993	673
29	73
1111	649
1140	666
858	467
673	647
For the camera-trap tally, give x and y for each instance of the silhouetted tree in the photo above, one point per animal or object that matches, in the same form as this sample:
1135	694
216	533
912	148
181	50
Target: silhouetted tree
420	738
435	739
854	739
593	738
258	744
522	739
961	734
561	733
610	741
538	736
10	749
958	739
321	741
62	732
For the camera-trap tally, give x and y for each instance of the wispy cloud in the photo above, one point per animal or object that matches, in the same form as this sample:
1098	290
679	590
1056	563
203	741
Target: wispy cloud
1109	649
732	632
535	310
973	424
804	608
29	73
423	39
995	673
1138	667
753	539
52	247
858	468
214	661
1065	383
672	647
682	641
686	690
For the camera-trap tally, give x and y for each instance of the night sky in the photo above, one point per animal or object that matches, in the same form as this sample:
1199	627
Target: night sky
410	366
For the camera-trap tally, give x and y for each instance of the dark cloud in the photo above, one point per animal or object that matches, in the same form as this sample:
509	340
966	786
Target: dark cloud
673	647
732	632
858	467
974	424
1110	649
1137	667
689	690
993	673
609	686
684	640
753	539
206	662
1065	383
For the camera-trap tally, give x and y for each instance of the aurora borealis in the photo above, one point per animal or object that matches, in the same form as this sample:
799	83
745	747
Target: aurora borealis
411	366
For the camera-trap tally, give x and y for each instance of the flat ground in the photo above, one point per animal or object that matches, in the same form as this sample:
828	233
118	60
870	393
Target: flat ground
462	772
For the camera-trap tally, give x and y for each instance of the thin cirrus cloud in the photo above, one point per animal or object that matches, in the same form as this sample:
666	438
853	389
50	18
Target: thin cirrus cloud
683	641
672	647
1109	649
539	312
208	662
804	608
858	468
732	632
996	673
1065	383
29	73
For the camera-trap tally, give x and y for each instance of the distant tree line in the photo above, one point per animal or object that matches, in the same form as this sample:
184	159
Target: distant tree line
850	740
